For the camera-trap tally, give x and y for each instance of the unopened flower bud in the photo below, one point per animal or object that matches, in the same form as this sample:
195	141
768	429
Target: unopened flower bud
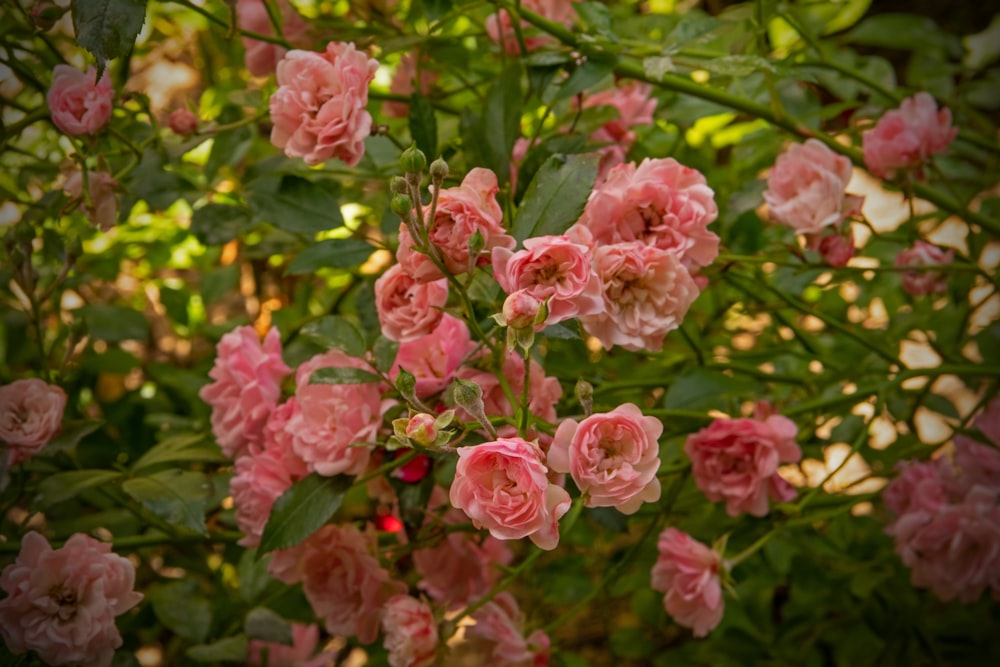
585	394
398	185
413	160
422	429
836	249
469	396
439	171
183	122
520	310
401	205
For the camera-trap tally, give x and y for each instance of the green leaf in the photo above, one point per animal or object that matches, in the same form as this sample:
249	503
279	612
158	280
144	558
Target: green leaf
557	195
342	375
583	77
114	360
65	485
114	323
176	496
252	574
423	125
699	389
216	224
907	32
385	353
72	433
330	254
295	204
230	146
179	606
263	623
301	510
502	120
217	282
188	447
630	643
336	332
230	649
108	28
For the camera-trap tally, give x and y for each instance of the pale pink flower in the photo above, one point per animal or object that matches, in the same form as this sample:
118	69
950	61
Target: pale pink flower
613	457
247	388
183	122
925	486
737	460
62	603
301	653
497	638
807	188
979	463
318	110
461	212
403	80
661	203
500	27
553	269
434	358
461	567
543	391
411	635
408	310
907	137
262	57
342	580
333	419
31	413
502	486
687	573
79	104
922	282
646	292
103	208
279	439
635	106
260	480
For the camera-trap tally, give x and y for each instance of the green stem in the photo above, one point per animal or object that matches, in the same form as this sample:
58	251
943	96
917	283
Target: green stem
140	541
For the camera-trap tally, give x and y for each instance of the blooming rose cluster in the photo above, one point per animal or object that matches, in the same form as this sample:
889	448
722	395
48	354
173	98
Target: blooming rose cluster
31	413
687	573
62	603
907	137
947	523
79	103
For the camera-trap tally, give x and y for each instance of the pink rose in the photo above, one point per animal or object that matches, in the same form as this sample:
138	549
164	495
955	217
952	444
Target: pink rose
661	203
103	208
408	310
520	310
954	551
646	292
344	583
411	635
333	419
302	652
613	457
31	414
62	603
988	421
434	358
806	188
687	573
460	568
635	106
919	487
979	463
736	460
498	639
318	110
403	80
836	248
500	27
79	104
260	480
907	137
461	212
247	388
543	391
922	282
553	269
262	57
183	122
502	486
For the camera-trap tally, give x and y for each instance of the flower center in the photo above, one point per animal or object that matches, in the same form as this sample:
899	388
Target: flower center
66	599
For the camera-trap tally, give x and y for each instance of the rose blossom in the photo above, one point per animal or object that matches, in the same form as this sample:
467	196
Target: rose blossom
342	580
924	486
499	635
403	84
183	122
260	480
551	268
661	203
635	105
461	567
836	248
434	358
806	188
461	212
247	388
736	460
502	486
408	310
543	391
31	414
646	292
613	457
262	57
318	110
62	603
500	27
334	418
302	652
907	137
103	208
78	103
411	635
687	572
921	282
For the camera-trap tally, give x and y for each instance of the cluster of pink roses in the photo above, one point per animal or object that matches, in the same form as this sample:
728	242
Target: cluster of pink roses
947	524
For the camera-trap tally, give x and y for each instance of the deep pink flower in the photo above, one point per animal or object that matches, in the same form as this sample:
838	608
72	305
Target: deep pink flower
301	653
31	413
687	573
836	248
183	121
502	486
736	460
500	27
411	635
497	638
921	282
247	388
62	603
613	457
408	310
318	110
79	104
907	137
434	358
262	57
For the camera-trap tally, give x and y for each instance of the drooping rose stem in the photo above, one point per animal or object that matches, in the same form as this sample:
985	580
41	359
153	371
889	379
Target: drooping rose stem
523	425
